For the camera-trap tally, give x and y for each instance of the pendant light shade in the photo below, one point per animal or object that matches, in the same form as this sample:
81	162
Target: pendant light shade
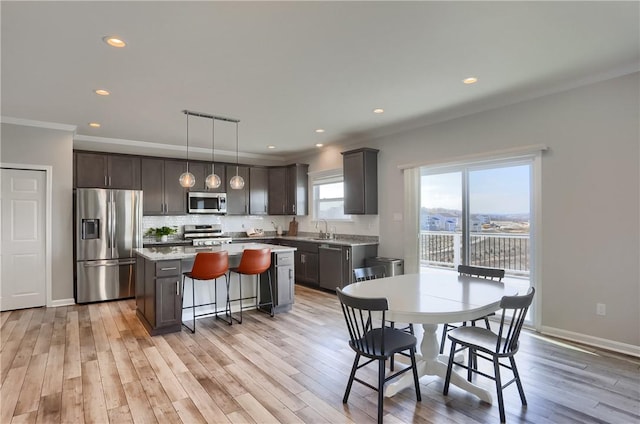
237	182
213	180
187	180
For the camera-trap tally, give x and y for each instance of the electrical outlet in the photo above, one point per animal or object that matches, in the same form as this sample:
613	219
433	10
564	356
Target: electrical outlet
601	309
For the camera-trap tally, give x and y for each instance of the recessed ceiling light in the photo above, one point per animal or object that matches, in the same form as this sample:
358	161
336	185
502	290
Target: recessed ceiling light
319	144
114	41
470	80
320	130
101	92
94	124
271	146
378	110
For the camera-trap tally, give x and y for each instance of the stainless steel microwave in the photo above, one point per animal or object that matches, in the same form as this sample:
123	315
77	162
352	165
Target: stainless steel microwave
203	202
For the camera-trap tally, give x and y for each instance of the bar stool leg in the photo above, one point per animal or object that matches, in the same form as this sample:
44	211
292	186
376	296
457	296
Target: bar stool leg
227	307
260	304
193	308
193	303
270	291
239	321
228	310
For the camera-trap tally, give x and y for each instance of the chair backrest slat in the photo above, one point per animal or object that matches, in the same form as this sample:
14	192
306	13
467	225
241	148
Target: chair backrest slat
481	272
514	312
369	273
363	315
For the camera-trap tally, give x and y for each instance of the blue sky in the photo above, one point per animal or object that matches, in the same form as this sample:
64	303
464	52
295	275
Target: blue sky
497	190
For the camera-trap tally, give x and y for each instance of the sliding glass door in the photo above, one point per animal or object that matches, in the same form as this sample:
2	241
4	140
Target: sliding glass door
481	215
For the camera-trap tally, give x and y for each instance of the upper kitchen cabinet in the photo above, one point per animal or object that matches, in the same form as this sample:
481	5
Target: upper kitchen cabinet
288	190
103	170
360	169
201	170
258	186
163	194
238	200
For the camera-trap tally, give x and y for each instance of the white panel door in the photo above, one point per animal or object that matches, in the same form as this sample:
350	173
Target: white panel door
23	239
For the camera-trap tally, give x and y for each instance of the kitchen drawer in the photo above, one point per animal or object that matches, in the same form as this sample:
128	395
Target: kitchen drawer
167	268
283	259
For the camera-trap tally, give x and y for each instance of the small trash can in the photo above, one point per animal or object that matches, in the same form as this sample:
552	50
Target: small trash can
392	266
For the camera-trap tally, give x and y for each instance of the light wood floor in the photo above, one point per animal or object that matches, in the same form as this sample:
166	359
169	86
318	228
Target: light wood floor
97	364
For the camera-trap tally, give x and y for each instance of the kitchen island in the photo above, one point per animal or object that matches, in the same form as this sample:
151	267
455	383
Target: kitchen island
159	289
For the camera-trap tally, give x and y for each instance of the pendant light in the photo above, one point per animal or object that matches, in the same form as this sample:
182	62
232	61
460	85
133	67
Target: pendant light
187	180
213	180
237	182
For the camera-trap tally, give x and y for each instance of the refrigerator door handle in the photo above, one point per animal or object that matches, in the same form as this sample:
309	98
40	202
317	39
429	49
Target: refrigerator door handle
97	264
112	213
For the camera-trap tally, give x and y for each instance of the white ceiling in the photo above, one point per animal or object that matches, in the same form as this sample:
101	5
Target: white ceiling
287	68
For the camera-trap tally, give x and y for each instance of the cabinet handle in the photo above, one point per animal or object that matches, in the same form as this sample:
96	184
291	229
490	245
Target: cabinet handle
173	268
294	208
283	209
105	180
347	252
178	288
109	181
290	273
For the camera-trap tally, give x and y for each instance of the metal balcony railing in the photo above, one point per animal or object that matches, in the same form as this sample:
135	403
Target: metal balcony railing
510	252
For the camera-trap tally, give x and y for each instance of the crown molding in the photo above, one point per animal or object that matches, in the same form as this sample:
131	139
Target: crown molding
38	124
169	148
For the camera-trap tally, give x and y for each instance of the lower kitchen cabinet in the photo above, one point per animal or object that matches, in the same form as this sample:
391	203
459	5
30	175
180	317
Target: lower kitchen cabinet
282	279
306	261
158	295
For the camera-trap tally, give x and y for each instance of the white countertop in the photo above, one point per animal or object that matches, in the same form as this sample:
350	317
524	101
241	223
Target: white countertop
183	252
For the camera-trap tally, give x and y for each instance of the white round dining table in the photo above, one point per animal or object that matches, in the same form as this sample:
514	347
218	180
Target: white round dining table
430	299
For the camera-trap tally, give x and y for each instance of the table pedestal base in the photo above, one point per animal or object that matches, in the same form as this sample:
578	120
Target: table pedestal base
429	362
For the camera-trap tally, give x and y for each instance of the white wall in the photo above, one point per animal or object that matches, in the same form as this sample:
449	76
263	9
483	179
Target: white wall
42	146
590	195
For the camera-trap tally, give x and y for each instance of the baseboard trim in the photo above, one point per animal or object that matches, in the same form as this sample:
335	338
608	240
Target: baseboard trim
612	345
62	302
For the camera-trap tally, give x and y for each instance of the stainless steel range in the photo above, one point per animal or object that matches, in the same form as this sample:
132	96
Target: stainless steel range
206	235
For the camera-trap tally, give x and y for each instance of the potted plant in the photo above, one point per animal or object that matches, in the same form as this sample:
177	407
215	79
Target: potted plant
161	233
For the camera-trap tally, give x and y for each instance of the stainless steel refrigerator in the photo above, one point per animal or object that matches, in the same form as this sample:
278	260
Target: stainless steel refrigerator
108	228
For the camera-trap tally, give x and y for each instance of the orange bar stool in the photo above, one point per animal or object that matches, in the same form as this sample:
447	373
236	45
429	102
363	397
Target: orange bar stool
206	267
253	262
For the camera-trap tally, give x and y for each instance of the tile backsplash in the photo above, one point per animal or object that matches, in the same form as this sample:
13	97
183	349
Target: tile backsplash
367	225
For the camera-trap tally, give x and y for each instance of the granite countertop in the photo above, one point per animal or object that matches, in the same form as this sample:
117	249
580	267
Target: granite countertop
185	252
156	242
340	241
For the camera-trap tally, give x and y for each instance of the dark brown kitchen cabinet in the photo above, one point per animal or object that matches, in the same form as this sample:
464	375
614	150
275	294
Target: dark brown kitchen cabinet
360	169
288	191
103	170
158	295
238	200
258	187
201	170
306	261
163	194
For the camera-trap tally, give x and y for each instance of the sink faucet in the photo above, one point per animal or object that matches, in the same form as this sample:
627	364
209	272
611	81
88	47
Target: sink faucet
326	228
